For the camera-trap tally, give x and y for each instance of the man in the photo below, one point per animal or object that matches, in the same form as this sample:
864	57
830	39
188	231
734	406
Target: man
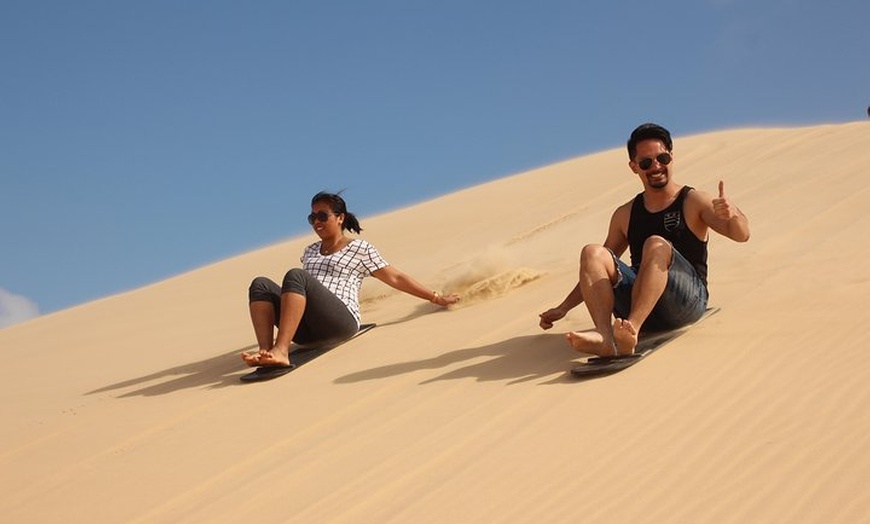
666	229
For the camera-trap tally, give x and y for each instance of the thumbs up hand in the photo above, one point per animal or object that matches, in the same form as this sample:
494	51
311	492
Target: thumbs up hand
721	205
734	223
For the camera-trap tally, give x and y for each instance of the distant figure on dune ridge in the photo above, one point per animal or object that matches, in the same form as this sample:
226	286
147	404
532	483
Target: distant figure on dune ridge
319	303
666	229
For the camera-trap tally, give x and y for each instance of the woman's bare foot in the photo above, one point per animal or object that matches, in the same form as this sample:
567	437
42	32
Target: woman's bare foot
591	342
625	336
266	357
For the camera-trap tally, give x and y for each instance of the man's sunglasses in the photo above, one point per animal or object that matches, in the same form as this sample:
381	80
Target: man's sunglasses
320	216
663	159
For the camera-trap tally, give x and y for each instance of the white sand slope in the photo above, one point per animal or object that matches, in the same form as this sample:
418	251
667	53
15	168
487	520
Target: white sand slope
129	409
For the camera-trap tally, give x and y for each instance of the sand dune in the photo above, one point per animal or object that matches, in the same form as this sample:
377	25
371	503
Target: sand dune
129	409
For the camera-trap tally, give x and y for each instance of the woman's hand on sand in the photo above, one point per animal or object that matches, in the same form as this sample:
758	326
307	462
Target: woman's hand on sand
446	300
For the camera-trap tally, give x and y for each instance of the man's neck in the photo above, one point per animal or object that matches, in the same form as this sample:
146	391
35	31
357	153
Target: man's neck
656	199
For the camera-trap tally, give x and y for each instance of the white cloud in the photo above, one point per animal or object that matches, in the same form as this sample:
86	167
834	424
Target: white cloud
15	308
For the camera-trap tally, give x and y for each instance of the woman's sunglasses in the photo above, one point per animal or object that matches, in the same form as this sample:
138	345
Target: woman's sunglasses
663	159
320	216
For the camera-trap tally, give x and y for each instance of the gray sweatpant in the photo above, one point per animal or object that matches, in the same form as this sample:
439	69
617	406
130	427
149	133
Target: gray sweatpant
325	320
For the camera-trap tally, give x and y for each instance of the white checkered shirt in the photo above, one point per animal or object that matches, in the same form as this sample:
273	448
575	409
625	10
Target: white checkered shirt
342	272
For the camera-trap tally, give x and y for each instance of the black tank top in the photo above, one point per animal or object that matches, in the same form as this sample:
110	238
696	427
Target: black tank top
670	224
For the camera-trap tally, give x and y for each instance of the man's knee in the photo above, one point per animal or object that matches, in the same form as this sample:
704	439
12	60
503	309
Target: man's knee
594	254
657	250
596	261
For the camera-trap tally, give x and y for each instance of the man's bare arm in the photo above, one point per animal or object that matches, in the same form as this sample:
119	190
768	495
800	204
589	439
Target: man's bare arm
616	241
724	217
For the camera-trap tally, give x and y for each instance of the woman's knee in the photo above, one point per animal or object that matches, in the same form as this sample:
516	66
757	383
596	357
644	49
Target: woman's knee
296	281
260	289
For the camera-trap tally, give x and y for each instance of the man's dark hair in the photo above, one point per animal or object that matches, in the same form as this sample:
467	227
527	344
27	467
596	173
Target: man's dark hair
648	131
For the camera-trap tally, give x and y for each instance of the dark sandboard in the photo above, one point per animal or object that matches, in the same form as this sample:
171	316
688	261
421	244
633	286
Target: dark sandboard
298	356
648	343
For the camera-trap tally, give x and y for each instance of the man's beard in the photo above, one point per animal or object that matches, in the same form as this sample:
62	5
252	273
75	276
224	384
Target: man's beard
658	183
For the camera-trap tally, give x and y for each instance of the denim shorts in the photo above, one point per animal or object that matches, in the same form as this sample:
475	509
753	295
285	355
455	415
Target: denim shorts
683	301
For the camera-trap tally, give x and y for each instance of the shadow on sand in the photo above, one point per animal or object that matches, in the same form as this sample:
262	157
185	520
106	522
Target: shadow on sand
212	373
215	372
520	359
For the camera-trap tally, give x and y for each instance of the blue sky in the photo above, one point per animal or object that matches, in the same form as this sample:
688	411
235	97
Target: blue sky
140	140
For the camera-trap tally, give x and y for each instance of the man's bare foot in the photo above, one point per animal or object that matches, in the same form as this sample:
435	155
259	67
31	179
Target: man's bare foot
591	342
625	336
266	357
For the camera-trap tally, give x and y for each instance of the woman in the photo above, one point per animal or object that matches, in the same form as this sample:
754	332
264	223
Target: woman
320	302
